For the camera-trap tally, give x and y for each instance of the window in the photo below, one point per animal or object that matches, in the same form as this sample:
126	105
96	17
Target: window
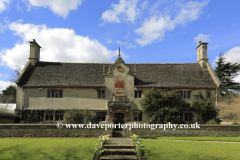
49	116
189	95
54	94
138	94
137	116
188	117
185	94
59	115
101	93
101	116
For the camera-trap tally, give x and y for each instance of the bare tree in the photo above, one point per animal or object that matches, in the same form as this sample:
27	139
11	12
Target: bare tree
15	74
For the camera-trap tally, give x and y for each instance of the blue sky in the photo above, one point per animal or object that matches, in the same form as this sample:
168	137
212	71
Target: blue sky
156	31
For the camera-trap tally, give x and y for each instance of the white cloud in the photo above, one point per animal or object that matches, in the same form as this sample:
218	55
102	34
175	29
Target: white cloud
59	7
58	45
2	28
4	85
109	41
126	9
0	75
130	45
3	5
155	27
144	5
202	37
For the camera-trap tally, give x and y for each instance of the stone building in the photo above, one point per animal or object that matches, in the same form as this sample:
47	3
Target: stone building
112	90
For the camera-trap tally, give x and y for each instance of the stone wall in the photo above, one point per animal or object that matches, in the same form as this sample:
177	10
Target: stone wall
204	130
49	130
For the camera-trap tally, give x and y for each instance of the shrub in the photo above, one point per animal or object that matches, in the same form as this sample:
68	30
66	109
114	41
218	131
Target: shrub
235	123
79	116
212	121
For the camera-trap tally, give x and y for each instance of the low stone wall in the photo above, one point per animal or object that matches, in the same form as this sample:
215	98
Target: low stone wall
49	130
204	130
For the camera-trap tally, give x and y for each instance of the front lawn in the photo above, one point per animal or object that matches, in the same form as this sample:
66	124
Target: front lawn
47	148
157	149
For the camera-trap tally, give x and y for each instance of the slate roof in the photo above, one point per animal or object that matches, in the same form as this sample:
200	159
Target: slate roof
56	74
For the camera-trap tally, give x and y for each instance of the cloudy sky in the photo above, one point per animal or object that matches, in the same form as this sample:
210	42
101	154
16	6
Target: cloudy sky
156	31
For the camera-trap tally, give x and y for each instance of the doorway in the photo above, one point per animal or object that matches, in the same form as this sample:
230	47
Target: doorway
118	119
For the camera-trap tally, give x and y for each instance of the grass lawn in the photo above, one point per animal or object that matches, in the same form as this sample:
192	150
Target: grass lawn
47	148
156	149
227	139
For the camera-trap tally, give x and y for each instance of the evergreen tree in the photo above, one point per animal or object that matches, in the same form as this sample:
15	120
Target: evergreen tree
9	95
163	107
227	71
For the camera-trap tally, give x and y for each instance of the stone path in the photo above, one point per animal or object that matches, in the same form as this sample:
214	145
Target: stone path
119	148
200	140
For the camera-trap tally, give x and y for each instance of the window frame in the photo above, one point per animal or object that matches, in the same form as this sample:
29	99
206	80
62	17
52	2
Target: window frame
102	116
54	93
138	94
102	93
138	116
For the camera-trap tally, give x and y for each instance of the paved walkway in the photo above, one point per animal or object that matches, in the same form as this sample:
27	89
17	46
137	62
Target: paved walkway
200	140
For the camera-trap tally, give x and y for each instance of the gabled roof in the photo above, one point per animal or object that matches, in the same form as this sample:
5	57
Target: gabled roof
56	74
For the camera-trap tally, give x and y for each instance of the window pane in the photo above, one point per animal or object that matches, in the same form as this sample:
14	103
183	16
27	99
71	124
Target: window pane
135	116
103	93
99	93
185	94
186	116
180	94
189	95
61	116
48	94
60	94
140	116
140	94
47	116
51	116
136	94
57	116
56	94
103	116
99	115
52	93
190	117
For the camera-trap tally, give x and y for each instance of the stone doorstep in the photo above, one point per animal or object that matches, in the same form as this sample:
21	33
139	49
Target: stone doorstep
118	157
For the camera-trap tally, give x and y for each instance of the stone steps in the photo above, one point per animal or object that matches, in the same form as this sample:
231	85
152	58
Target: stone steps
119	148
119	152
118	157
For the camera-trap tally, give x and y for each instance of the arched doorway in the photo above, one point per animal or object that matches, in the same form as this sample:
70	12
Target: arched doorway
118	119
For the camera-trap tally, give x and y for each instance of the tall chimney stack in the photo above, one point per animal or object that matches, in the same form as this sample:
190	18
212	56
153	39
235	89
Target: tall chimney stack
34	52
202	58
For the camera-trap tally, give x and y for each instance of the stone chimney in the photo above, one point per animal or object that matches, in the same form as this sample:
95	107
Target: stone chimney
202	58
34	52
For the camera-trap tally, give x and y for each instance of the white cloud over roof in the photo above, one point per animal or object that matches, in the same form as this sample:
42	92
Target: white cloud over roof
58	45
